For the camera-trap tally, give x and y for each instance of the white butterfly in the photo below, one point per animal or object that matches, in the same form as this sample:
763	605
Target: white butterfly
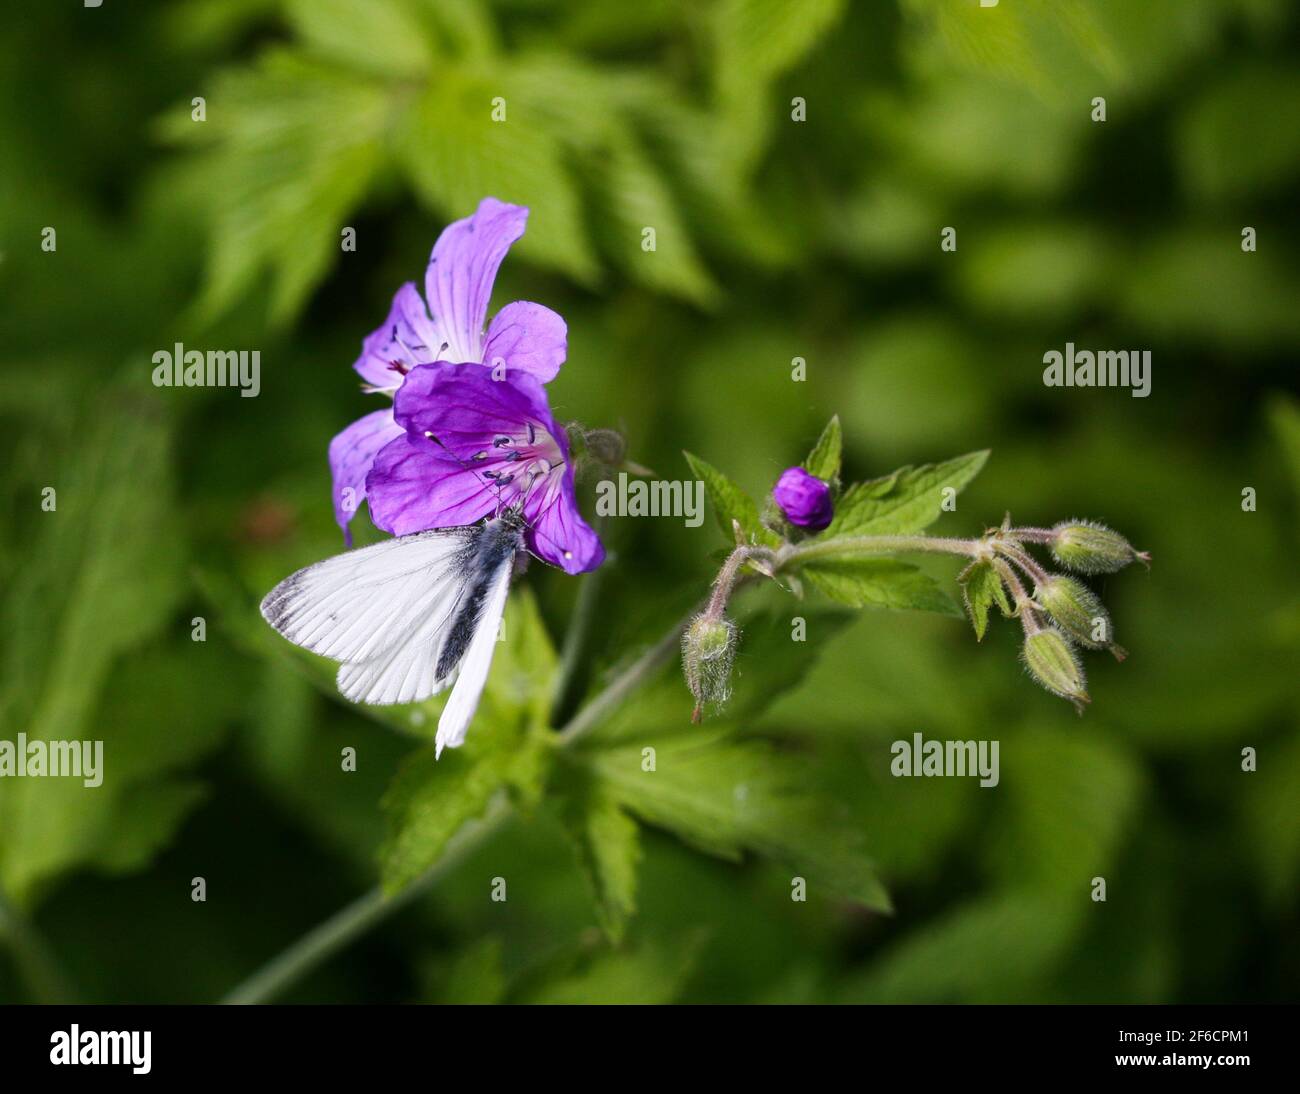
407	616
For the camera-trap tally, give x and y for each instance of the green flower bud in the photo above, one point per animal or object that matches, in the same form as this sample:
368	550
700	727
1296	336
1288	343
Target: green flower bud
1090	548
1077	610
708	650
1052	662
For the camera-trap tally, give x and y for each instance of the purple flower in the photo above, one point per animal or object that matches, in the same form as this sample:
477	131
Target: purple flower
473	445
523	339
804	499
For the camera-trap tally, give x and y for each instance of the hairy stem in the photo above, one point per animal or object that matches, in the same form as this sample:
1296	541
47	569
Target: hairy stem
857	546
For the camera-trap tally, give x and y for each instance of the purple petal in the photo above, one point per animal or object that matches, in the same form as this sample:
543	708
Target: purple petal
462	268
351	454
466	409
414	485
528	338
407	336
557	533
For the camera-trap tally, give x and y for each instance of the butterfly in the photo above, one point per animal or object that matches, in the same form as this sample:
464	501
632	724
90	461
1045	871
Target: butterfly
409	616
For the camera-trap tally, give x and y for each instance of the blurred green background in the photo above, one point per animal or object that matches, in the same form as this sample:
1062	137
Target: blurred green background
775	239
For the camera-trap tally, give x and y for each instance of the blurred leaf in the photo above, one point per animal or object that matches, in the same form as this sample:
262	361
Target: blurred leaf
754	42
380	37
650	973
989	950
1229	148
476	976
95	585
908	500
292	145
728	796
455	154
1069	800
608	846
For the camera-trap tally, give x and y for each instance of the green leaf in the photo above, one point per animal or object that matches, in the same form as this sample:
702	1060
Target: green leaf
650	973
981	589
455	154
728	796
381	37
635	198
608	846
94	588
508	748
988	950
878	583
476	977
824	460
730	502
906	501
292	146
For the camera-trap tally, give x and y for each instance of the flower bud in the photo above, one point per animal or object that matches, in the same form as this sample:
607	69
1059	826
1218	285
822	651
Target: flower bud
804	499
1090	548
1052	662
708	650
1077	610
607	446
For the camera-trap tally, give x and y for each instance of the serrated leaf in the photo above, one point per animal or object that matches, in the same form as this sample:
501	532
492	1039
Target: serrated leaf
293	144
905	501
981	589
729	502
508	748
824	460
455	154
94	587
878	583
728	796
608	846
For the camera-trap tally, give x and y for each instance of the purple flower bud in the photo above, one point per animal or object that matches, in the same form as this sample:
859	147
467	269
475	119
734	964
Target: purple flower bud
804	499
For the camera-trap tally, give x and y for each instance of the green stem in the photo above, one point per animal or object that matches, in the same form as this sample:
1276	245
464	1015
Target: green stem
349	923
625	683
857	546
35	960
575	638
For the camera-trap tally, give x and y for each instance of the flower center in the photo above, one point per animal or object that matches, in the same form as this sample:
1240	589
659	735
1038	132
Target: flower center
524	461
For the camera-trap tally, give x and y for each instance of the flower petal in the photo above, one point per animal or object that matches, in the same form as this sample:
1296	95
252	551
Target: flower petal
557	533
414	485
529	338
465	408
462	269
351	455
408	336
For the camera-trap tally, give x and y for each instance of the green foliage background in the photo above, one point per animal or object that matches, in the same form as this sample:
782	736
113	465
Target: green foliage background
776	240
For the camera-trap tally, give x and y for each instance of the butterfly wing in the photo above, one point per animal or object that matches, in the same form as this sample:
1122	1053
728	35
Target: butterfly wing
474	665
385	611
